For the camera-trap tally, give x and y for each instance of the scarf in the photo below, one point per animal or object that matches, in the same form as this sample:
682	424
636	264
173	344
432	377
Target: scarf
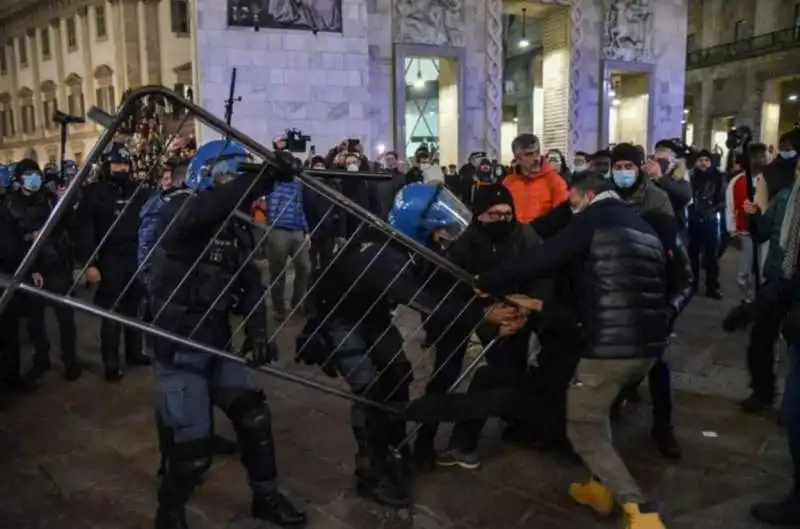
790	233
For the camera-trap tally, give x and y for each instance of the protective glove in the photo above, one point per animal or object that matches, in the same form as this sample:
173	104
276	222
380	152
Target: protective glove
338	243
258	350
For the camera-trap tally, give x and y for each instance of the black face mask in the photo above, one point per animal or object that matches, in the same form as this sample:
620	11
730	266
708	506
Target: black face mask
119	176
498	229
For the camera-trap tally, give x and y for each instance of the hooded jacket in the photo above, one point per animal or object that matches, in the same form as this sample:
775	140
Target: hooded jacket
536	195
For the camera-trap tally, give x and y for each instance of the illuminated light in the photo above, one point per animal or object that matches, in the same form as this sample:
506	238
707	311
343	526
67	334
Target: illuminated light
419	83
616	102
381	148
612	93
516	120
685	111
524	43
792	97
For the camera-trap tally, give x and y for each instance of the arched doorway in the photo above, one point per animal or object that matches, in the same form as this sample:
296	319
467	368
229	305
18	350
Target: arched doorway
32	154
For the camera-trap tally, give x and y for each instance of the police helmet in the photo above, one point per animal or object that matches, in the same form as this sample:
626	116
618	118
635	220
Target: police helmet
213	161
6	178
421	209
70	169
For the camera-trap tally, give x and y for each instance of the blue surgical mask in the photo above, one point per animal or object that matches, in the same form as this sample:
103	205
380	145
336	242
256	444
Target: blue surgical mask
32	181
788	155
580	168
624	178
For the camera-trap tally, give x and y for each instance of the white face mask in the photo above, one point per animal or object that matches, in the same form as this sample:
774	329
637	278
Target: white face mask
424	166
353	168
575	211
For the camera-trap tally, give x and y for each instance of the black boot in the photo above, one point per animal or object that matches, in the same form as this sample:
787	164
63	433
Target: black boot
171	518
137	359
224	447
274	507
666	442
384	490
785	513
713	293
424	456
114	374
73	370
756	402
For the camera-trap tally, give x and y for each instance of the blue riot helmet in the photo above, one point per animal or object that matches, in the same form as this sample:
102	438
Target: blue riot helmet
52	176
214	163
6	177
423	209
70	169
117	164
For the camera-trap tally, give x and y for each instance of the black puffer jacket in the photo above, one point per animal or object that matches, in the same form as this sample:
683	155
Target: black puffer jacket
621	288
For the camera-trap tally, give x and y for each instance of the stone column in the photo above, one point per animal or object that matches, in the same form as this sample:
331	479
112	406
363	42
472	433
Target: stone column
149	41
131	58
85	36
115	33
38	110
556	79
448	112
58	55
701	113
585	82
381	103
494	77
770	113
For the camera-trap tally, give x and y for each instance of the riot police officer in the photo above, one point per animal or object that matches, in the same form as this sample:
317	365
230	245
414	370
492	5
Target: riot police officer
115	194
351	333
189	381
30	207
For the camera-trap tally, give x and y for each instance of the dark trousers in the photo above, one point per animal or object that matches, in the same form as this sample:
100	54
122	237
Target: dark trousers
790	409
321	253
128	301
57	280
761	349
703	246
660	383
10	353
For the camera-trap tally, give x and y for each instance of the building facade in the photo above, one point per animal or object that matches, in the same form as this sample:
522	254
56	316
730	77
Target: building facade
74	54
742	69
358	76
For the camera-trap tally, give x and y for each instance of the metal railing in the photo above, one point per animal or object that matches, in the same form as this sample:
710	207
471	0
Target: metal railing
744	49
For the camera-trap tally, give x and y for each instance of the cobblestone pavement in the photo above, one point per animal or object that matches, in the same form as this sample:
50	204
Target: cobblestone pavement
83	455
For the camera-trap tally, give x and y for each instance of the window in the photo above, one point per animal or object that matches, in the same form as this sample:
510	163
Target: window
740	30
180	16
3	61
23	52
49	106
7	121
100	22
72	35
796	15
690	42
105	98
75	104
45	39
28	118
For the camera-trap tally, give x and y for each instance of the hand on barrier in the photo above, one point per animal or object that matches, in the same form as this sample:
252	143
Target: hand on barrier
38	280
338	243
93	275
30	237
526	303
259	351
501	313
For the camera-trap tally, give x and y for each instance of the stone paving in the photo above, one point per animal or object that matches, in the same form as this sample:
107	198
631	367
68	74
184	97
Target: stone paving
83	455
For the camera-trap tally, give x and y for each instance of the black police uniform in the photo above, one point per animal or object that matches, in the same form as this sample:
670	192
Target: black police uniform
29	212
351	333
114	198
188	382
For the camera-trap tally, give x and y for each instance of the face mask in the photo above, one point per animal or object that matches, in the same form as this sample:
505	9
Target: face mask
624	179
120	176
353	168
498	229
575	210
580	168
788	155
32	181
424	166
498	171
664	164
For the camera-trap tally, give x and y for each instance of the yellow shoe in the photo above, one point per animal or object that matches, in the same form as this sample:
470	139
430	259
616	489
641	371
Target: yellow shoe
641	516
595	495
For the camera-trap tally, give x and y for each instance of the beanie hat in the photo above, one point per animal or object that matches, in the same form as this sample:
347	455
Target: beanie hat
317	160
489	196
705	153
25	166
627	152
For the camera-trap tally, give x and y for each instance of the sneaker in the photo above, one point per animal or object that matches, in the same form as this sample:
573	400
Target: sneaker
452	457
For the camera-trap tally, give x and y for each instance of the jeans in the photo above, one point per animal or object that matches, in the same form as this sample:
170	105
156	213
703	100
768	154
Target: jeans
703	243
283	245
589	400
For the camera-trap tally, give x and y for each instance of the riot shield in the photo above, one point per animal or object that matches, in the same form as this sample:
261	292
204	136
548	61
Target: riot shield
282	332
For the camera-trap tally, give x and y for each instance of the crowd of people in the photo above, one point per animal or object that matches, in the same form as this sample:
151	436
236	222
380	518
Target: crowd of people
596	257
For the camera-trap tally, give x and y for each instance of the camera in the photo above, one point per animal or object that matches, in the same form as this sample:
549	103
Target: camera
296	141
352	144
738	137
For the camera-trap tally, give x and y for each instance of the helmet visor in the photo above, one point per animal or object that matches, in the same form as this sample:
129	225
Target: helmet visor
451	216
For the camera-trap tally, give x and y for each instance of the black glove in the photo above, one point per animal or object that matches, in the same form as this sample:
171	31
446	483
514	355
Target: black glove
258	350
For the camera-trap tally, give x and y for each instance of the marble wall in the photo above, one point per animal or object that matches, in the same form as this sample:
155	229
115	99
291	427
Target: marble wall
336	85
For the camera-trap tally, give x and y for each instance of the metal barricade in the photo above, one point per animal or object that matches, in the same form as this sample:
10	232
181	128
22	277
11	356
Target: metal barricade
381	233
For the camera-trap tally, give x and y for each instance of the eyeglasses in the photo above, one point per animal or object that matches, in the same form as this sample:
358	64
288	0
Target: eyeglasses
499	215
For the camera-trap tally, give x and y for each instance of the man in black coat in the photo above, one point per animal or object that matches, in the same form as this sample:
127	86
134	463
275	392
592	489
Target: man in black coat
624	315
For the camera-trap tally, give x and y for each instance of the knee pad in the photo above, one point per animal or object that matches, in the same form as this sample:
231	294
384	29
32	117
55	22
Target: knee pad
188	461
251	417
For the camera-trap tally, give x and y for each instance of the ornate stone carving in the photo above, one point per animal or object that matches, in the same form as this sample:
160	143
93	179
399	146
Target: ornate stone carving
575	78
494	76
628	30
437	22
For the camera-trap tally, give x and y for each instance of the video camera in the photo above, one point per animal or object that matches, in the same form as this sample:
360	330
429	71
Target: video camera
738	137
296	141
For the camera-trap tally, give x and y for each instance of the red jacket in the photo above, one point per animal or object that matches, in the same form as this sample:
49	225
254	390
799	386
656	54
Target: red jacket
735	196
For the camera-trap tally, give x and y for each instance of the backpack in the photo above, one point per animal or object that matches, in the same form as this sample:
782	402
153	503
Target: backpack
149	218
